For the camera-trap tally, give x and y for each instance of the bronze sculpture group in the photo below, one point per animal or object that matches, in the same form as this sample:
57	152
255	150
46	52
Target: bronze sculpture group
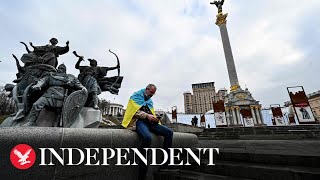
40	84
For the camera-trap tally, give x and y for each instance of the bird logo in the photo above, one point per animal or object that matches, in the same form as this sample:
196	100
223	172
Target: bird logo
22	156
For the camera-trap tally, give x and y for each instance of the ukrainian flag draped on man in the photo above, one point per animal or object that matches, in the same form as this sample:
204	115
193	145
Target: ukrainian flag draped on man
136	101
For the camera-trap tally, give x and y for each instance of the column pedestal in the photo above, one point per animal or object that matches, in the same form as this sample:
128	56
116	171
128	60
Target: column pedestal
236	121
254	116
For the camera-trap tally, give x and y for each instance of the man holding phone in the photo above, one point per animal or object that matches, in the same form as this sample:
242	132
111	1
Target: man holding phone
140	112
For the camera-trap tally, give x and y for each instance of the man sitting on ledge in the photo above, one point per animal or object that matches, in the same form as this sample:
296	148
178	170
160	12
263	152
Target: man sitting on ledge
140	112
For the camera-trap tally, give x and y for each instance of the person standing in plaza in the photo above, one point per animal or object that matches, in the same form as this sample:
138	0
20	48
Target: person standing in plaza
195	121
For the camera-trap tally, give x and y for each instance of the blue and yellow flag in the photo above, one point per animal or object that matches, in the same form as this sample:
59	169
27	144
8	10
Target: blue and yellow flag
136	101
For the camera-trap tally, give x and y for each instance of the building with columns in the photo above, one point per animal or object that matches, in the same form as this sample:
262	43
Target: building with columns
115	109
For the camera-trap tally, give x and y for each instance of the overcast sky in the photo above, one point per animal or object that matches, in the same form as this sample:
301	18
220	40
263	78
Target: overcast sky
174	43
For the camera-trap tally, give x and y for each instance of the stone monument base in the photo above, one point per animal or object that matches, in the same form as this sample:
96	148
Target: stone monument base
88	118
56	138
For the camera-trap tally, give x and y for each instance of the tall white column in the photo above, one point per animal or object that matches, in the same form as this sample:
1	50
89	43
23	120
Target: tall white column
258	115
253	115
261	117
238	116
234	116
228	117
233	77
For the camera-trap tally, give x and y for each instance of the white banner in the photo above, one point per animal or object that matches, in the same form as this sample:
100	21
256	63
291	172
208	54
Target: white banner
174	120
304	114
220	118
248	122
203	124
279	121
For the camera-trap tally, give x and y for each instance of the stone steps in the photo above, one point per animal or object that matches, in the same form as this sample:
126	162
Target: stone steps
283	159
283	132
191	175
265	132
288	152
297	127
255	170
269	159
255	159
257	137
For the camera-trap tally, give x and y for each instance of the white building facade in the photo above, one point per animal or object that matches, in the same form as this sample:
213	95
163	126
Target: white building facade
115	109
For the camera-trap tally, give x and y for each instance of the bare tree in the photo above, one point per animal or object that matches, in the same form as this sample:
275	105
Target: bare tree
104	106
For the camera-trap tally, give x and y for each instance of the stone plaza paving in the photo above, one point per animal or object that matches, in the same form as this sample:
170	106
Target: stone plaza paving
287	152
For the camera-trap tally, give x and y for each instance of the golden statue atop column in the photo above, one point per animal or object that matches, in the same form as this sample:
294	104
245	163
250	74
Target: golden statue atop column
221	18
